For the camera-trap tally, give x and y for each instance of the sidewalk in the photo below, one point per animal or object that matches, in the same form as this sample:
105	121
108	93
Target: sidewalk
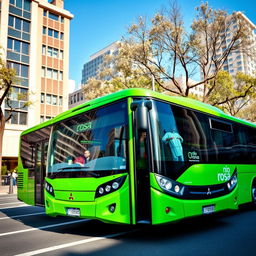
5	190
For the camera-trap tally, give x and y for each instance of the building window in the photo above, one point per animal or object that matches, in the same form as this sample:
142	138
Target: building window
41	119
18	46
44	30
53	16
17	117
62	19
53	33
42	97
56	34
21	70
48	99
50	32
61	55
49	73
61	36
55	74
61	76
60	100
43	72
54	100
19	24
55	53
49	51
43	49
22	4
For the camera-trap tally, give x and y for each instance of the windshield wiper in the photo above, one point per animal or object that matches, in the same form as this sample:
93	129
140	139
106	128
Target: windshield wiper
53	175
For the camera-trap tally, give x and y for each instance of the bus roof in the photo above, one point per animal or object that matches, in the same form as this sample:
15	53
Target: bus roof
138	92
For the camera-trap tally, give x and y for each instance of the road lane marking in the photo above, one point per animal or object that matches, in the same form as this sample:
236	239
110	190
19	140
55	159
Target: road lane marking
7	197
17	206
42	227
23	215
12	203
62	246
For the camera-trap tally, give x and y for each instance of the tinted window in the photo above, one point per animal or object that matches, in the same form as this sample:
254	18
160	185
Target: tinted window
183	137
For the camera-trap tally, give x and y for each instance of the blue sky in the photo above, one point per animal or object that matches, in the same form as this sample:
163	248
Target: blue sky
98	23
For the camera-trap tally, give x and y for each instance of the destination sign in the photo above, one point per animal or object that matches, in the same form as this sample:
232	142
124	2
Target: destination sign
83	127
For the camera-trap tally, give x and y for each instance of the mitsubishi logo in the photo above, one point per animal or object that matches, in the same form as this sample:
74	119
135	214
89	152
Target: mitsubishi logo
71	197
209	192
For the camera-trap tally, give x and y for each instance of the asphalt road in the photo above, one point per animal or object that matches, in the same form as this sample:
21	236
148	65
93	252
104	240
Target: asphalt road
26	230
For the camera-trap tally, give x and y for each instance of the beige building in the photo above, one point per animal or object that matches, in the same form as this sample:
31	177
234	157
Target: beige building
238	61
34	36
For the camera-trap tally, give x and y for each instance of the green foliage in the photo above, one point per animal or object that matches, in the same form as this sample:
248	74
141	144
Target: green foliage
233	94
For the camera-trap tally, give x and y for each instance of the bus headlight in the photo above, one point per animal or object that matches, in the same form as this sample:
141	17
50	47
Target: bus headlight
110	186
48	187
232	182
170	186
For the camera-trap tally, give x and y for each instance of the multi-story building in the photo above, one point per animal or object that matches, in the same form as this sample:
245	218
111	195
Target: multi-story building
34	36
238	61
76	98
95	65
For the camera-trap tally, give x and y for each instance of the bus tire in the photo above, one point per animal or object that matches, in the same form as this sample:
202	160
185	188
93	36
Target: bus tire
254	192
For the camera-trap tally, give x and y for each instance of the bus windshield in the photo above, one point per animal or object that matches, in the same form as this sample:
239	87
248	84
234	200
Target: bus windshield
92	144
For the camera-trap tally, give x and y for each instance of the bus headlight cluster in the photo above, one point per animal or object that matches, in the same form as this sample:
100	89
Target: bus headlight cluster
110	186
170	186
49	188
232	182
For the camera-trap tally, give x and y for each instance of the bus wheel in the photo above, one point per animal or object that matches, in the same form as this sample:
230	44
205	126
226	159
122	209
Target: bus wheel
254	192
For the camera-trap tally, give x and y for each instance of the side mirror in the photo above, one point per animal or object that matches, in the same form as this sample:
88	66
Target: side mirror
140	109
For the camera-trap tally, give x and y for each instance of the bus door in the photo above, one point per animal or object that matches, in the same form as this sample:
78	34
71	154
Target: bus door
142	163
40	171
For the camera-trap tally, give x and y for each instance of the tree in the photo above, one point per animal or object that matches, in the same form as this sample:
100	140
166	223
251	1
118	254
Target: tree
7	79
117	73
249	112
164	49
233	94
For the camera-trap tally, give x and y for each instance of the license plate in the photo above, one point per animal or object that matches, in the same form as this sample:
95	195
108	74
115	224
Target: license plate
73	212
208	209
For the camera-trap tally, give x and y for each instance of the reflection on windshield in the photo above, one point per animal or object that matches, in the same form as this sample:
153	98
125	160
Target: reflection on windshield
93	141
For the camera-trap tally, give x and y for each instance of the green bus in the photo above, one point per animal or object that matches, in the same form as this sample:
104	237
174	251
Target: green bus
151	158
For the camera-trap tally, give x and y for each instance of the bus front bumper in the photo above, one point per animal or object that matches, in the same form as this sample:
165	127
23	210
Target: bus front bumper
167	209
112	208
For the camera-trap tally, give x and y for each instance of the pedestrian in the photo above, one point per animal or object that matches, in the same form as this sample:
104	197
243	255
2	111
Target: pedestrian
8	178
14	176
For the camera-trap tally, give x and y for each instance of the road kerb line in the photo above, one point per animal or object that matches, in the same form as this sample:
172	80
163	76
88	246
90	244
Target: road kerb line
23	215
62	246
42	227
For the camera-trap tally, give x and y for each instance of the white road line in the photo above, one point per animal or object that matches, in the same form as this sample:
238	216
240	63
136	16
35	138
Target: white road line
23	215
42	227
17	206
12	203
84	241
7	197
11	197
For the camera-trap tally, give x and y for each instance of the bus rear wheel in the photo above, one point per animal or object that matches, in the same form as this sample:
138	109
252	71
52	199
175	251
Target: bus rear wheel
254	192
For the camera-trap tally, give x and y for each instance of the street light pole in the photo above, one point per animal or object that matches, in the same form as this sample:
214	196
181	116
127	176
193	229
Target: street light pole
153	82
